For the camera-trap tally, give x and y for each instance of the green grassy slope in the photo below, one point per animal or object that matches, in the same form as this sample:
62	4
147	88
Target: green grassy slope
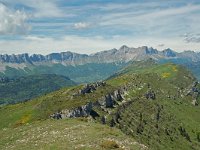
40	108
170	121
25	88
192	66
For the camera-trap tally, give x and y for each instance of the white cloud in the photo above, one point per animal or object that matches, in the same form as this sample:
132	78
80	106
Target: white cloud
41	8
45	8
144	15
36	38
13	22
81	25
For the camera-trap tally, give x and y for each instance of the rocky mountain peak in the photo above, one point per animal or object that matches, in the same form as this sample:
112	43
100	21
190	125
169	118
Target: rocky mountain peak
37	58
169	53
123	47
151	51
124	53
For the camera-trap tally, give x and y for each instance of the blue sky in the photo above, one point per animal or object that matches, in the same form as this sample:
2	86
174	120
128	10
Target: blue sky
88	26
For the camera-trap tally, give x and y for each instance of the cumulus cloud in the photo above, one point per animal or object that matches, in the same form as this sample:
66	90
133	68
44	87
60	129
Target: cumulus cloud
12	22
81	25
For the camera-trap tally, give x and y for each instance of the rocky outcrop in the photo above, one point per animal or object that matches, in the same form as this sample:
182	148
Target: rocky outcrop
111	99
194	91
56	115
81	111
118	95
89	88
107	101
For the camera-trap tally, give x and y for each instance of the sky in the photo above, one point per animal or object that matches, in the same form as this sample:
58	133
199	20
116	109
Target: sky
88	26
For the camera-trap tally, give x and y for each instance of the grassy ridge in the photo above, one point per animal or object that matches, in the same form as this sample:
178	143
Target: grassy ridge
168	122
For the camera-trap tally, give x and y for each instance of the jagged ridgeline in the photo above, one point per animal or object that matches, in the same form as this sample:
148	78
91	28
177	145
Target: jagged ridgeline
155	105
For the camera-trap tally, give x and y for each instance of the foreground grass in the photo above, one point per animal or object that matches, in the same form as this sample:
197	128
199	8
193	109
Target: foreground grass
66	134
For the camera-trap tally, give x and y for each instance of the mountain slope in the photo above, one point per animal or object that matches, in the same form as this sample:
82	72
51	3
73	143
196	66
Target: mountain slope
25	88
155	104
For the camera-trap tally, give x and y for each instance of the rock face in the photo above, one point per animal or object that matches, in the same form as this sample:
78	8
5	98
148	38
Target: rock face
109	102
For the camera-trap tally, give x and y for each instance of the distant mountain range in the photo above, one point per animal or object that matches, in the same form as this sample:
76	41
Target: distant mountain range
124	53
83	68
